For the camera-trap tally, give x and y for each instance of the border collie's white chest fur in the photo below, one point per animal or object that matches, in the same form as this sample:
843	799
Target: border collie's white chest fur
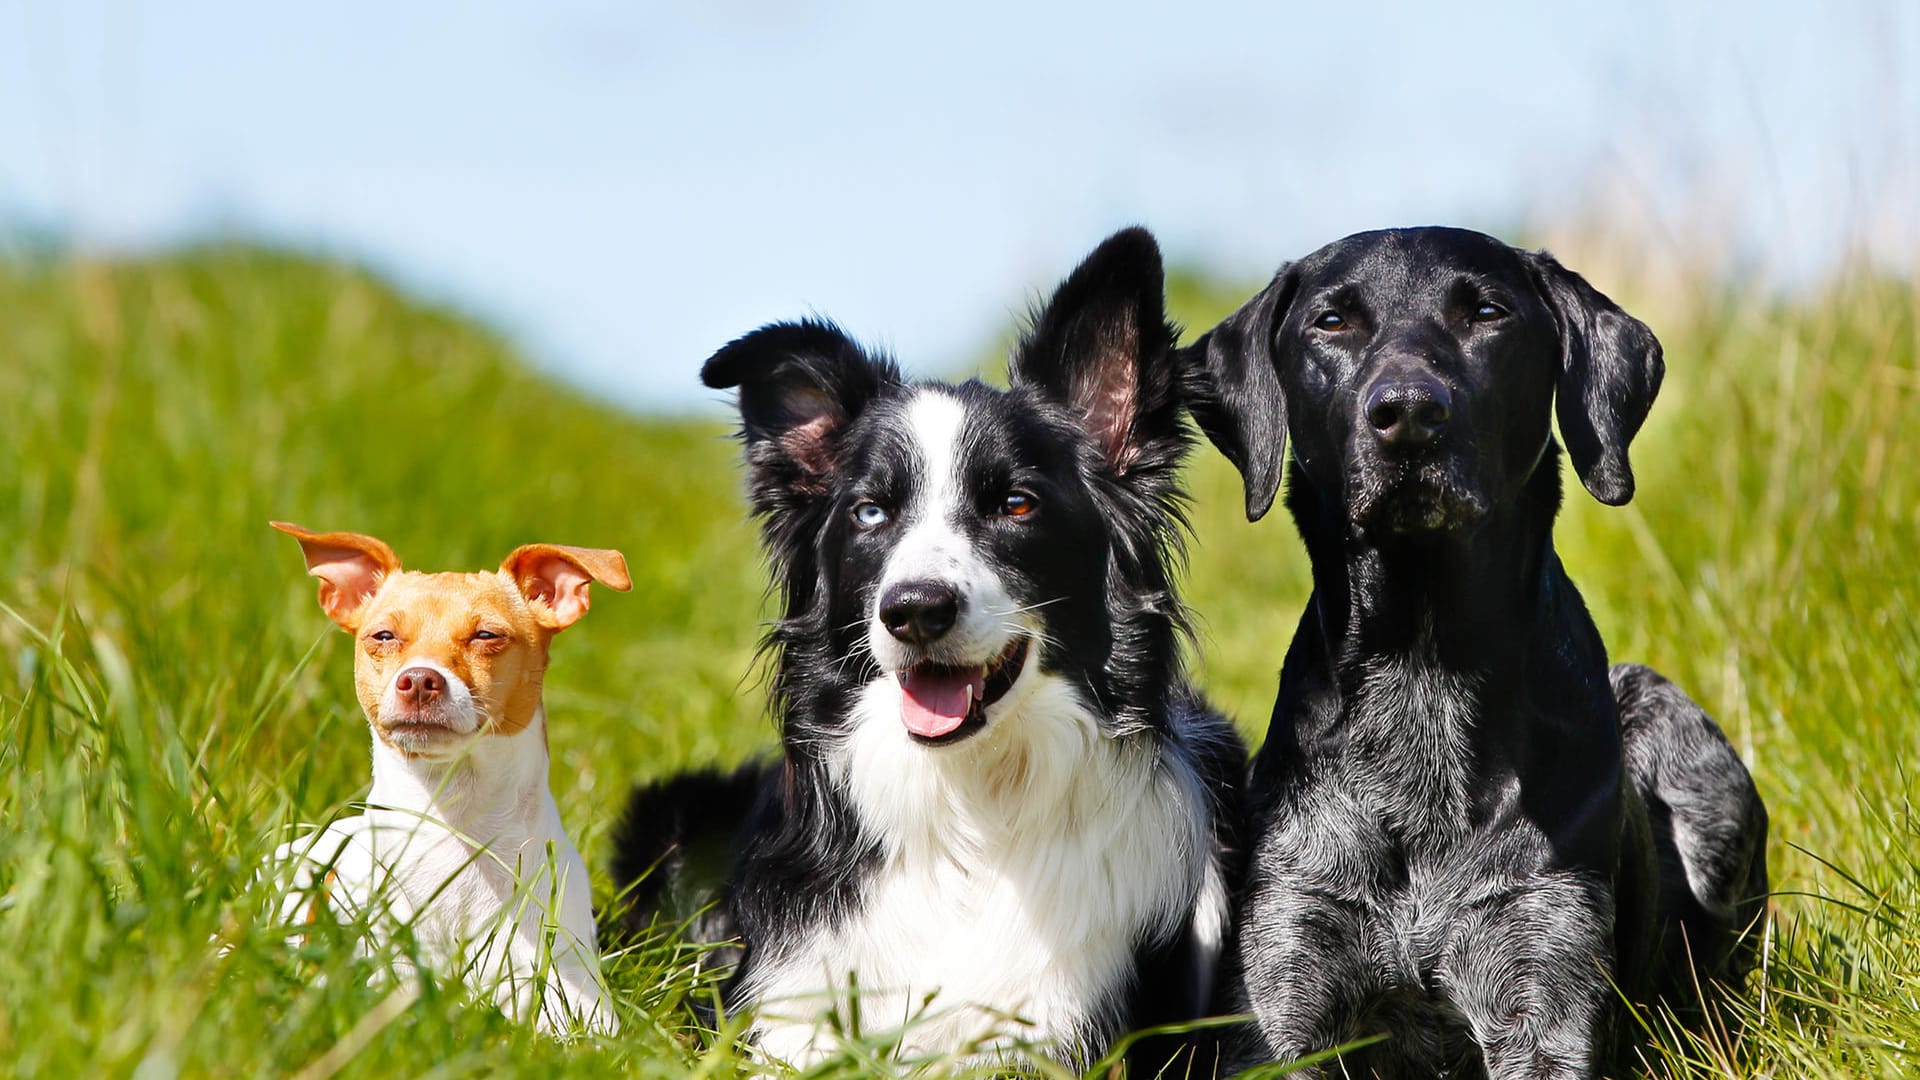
1018	875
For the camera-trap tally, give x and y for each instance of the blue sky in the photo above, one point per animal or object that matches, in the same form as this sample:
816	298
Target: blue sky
626	187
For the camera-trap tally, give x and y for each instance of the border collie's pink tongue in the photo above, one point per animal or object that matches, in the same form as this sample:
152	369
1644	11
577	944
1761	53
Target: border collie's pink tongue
934	700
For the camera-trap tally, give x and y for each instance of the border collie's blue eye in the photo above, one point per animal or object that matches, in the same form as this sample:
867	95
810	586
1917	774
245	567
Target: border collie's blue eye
381	635
870	515
1331	320
1488	313
1018	504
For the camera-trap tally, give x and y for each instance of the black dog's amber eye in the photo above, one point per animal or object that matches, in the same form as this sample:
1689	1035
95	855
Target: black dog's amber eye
1489	313
1331	320
1018	504
381	635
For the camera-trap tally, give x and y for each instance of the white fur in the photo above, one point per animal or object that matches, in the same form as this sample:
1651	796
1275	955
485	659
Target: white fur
1211	914
932	547
469	850
1019	871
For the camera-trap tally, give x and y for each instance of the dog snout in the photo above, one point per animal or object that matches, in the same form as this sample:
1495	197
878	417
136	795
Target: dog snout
1408	409
419	687
919	612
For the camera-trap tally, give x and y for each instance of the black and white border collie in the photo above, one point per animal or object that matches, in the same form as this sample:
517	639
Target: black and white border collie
997	786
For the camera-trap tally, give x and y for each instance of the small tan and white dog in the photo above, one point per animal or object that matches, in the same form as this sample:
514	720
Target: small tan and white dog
461	840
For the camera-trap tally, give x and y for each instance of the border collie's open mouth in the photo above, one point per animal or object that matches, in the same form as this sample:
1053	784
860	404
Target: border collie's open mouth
942	703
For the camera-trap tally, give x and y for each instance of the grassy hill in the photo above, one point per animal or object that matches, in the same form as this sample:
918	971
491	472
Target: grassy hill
172	698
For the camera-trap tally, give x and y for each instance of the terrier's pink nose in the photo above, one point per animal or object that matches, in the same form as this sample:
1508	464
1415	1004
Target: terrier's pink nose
419	686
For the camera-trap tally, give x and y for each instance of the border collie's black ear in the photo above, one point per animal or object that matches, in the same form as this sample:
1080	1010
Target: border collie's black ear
1233	390
801	384
1102	347
1610	370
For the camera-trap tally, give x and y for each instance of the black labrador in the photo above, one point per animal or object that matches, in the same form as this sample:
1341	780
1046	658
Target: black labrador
1470	834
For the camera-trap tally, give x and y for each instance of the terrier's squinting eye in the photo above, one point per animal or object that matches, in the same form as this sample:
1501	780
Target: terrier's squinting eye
1018	504
1331	320
1489	313
381	635
486	635
870	515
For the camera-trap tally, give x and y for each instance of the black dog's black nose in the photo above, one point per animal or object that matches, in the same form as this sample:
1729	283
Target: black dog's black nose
1408	410
919	612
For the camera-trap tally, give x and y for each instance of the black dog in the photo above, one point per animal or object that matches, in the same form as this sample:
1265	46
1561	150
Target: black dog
997	784
1463	832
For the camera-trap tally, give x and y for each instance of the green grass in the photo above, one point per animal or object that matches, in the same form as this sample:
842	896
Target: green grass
173	699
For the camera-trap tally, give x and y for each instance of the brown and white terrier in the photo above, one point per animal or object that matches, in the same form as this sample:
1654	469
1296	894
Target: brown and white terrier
461	839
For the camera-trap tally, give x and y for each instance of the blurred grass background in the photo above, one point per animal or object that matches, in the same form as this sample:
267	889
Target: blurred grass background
173	699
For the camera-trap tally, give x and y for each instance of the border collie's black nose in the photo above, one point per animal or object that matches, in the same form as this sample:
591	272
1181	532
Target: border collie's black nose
919	612
1408	408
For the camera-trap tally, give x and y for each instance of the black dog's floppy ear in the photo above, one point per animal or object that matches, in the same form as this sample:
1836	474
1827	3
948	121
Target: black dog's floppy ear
1233	390
1102	347
1610	370
801	384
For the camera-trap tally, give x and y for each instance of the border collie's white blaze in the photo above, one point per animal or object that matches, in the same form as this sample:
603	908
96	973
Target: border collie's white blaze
946	682
997	788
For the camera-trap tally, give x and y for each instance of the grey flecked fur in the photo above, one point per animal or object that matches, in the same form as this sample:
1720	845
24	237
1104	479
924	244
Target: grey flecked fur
1468	830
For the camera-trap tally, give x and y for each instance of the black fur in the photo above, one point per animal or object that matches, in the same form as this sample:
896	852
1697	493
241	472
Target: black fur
1453	841
1092	428
673	844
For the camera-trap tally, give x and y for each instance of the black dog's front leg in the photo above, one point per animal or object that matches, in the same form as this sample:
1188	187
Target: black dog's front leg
1303	974
1530	971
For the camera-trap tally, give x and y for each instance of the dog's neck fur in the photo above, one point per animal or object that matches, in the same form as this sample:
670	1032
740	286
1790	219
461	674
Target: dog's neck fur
1428	651
1444	594
492	793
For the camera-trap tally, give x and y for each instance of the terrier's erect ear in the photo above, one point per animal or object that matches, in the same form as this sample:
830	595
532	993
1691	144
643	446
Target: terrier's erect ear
554	579
350	568
1610	371
1102	347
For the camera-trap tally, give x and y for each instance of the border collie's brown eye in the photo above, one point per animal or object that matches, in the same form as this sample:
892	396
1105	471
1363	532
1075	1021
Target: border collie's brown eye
1330	320
381	635
1018	504
1488	312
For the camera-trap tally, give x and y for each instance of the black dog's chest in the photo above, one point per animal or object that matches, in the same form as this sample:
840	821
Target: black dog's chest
1416	916
1413	913
1422	894
1406	753
1406	913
